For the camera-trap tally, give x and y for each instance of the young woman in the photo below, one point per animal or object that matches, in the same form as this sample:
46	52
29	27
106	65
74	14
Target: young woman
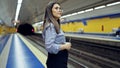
54	38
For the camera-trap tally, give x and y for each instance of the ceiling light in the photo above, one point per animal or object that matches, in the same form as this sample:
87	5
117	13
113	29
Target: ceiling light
81	12
115	3
89	10
20	1
99	7
18	9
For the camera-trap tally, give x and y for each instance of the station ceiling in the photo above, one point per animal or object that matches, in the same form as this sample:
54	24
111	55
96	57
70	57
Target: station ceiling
33	10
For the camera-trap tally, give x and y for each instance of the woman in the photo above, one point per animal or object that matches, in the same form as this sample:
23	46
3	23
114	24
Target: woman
55	41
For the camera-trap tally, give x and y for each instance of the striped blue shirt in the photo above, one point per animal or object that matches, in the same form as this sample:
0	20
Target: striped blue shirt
53	40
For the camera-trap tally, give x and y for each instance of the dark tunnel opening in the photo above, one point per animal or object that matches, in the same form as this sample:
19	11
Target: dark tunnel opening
25	29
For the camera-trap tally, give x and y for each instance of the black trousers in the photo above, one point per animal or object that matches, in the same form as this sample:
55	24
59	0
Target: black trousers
57	60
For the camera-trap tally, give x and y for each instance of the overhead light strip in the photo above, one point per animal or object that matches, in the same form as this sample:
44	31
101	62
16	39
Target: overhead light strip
88	10
115	3
18	9
99	7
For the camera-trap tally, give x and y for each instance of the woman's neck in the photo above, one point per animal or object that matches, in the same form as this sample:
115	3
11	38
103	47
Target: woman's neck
56	18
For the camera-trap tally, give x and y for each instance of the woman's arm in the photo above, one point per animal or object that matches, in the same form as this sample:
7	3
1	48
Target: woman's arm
50	36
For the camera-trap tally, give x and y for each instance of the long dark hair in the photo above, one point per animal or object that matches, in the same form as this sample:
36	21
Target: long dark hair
48	18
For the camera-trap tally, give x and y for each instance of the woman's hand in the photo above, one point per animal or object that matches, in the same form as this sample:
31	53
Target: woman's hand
67	46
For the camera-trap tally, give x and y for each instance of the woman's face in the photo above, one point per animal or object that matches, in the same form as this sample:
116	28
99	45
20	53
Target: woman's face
56	11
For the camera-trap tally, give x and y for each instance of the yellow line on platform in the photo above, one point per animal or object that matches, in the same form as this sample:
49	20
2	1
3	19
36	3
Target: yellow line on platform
40	56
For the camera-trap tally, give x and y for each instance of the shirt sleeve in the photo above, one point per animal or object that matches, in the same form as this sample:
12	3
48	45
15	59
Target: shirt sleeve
50	44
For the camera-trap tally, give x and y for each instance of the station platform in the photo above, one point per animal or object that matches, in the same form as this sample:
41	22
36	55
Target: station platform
17	52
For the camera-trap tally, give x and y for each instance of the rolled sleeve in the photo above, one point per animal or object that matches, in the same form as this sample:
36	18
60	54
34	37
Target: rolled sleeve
50	44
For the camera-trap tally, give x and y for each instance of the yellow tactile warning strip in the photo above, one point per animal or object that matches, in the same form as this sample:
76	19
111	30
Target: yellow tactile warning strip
40	56
5	53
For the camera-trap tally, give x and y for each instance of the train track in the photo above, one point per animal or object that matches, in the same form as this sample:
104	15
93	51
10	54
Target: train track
90	55
101	55
107	51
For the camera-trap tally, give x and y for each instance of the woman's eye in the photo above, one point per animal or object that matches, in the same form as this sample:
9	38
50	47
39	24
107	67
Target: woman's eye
58	8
